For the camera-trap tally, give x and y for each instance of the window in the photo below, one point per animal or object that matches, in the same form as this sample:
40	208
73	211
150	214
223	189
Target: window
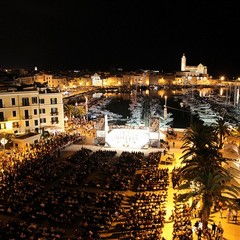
15	125
14	113
1	103
34	100
42	120
25	101
26	113
54	120
13	101
36	122
35	111
53	100
1	116
2	125
27	123
54	111
41	101
42	110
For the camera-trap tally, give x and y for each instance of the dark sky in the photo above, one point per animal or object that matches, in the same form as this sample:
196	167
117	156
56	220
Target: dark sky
103	34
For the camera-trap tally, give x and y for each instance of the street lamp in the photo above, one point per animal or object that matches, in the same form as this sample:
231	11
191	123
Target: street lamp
86	107
4	142
165	108
165	112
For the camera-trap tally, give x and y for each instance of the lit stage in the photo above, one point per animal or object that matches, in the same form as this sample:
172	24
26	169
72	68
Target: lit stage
128	136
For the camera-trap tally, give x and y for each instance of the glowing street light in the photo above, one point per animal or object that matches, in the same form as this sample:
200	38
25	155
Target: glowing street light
165	108
4	142
165	112
86	107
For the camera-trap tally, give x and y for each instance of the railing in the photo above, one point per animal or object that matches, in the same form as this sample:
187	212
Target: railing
3	119
54	113
27	117
54	122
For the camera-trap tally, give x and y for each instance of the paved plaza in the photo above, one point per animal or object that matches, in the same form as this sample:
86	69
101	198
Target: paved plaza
231	229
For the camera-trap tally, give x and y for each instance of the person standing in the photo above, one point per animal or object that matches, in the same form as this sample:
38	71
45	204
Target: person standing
219	235
219	227
199	233
229	214
235	215
221	213
214	227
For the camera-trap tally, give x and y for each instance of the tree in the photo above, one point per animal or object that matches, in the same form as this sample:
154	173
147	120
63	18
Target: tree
209	188
78	111
68	111
235	132
223	129
200	149
202	173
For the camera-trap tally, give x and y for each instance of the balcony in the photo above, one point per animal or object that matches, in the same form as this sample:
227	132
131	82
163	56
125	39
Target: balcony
54	122
54	113
26	117
3	119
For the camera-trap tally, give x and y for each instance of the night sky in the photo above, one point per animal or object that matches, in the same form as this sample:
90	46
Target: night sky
128	34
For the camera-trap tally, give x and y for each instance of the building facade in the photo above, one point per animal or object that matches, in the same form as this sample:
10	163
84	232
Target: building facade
31	111
192	70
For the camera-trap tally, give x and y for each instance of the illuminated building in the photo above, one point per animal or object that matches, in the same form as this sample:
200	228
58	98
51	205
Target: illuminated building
23	112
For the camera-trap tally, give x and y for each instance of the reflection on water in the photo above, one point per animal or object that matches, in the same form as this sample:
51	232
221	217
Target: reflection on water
182	116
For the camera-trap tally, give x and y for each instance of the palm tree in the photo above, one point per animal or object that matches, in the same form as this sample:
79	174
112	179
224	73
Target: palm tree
202	164
68	111
209	188
200	149
222	129
78	111
235	132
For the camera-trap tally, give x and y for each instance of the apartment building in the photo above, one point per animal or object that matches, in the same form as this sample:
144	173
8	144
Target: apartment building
23	112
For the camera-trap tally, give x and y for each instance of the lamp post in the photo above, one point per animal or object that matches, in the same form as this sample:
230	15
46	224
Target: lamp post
4	142
86	107
165	112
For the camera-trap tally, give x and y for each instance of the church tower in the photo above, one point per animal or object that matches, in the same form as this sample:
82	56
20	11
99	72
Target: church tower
183	63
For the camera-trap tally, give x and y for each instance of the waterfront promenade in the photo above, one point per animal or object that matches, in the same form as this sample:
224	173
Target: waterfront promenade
231	229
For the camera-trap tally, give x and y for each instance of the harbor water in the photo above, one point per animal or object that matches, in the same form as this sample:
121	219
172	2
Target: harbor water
119	104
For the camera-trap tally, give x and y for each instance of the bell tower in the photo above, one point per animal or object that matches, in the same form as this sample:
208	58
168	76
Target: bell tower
183	63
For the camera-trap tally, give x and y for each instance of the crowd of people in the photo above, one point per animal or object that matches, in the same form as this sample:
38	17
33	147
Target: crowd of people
152	179
47	197
182	227
145	217
81	197
145	213
214	231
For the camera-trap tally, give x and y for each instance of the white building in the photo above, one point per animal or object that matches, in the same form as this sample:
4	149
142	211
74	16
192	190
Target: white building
31	111
194	75
96	80
194	70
